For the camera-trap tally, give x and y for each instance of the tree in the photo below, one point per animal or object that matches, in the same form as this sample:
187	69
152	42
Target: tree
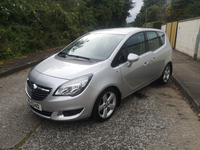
149	3
109	13
27	26
193	10
67	5
183	9
154	12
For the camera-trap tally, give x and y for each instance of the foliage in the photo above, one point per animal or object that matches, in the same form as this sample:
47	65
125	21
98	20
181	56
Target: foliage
109	13
27	26
155	12
149	3
193	10
159	10
156	24
183	9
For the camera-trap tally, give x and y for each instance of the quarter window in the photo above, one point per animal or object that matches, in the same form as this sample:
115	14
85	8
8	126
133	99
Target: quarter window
162	37
120	57
153	41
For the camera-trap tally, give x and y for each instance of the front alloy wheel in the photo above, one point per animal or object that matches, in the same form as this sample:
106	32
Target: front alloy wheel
105	105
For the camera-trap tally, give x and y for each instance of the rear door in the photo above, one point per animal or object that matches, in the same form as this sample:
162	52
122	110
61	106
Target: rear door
155	47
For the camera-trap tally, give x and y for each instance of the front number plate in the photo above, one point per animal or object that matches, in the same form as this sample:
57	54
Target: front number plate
34	105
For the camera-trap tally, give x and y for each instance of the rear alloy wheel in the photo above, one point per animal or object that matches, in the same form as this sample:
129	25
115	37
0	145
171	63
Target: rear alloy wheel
164	78
105	105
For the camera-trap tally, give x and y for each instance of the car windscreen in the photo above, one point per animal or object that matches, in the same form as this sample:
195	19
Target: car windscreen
94	46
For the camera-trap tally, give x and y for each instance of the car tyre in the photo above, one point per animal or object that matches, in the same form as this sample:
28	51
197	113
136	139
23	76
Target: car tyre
164	78
105	105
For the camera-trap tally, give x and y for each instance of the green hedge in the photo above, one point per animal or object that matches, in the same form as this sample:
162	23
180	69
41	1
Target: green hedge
26	28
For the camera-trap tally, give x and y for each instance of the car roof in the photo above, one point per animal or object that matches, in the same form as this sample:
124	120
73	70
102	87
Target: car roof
124	31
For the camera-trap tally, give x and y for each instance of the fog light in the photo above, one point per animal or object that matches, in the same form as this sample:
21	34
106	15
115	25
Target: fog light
72	112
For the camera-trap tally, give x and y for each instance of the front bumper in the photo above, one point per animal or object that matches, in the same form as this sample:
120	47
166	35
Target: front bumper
67	108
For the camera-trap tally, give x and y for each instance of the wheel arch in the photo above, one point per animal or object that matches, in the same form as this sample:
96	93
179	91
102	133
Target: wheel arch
118	92
116	89
171	66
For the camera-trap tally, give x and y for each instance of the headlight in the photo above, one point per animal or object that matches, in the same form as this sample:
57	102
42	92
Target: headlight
73	87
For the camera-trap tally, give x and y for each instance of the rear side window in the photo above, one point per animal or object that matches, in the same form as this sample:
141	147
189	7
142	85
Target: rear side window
162	37
153	41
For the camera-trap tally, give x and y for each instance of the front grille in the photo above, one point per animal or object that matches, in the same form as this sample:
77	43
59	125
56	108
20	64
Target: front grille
36	92
45	113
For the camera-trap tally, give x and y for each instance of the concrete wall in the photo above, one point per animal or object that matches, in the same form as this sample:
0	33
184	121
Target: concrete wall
164	27
186	36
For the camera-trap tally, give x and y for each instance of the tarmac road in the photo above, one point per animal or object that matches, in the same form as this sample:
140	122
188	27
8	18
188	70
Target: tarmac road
155	117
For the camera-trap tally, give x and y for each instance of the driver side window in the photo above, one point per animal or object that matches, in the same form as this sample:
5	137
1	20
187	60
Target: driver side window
135	44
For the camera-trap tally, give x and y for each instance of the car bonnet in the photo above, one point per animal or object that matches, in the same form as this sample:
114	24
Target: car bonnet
67	68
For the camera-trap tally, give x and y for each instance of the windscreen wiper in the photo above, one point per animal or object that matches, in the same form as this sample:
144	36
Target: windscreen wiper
79	57
62	54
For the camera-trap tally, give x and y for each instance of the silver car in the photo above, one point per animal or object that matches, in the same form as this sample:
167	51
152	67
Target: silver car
91	75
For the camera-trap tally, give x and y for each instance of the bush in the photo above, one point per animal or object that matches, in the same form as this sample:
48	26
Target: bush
26	28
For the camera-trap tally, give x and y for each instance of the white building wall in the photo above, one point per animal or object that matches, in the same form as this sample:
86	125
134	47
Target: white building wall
164	27
186	36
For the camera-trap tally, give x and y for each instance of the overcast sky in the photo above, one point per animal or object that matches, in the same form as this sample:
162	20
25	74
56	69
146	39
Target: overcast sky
135	10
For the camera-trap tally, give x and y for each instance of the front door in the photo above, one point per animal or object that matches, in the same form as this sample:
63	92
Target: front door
137	75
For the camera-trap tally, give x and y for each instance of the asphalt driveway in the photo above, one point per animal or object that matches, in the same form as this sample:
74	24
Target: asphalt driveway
156	117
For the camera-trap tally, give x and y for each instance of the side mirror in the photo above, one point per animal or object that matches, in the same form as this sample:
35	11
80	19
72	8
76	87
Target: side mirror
132	58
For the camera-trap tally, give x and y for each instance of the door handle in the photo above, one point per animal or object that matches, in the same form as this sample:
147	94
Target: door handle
153	59
145	64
